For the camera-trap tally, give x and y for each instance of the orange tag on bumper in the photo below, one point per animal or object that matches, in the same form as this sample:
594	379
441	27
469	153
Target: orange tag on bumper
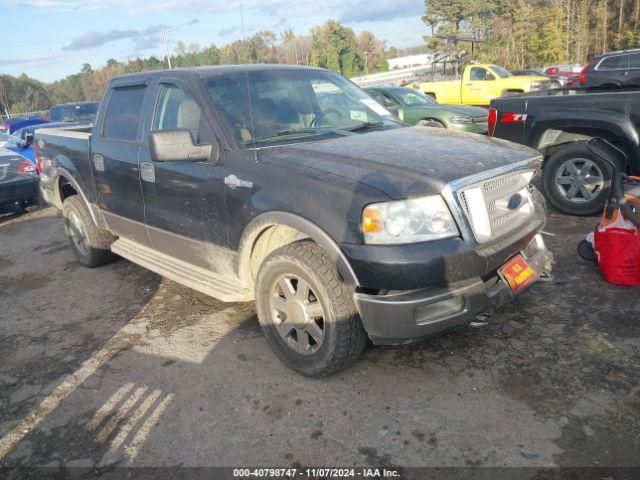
518	274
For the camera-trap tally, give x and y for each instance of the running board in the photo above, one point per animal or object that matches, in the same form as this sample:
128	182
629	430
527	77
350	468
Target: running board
182	272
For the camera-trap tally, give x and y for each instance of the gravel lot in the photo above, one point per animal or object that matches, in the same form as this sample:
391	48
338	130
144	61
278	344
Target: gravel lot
117	366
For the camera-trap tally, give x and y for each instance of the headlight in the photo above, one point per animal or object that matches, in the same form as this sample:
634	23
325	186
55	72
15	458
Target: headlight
538	85
408	221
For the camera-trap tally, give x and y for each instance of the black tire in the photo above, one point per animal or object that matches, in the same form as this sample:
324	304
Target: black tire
555	162
89	243
344	336
431	122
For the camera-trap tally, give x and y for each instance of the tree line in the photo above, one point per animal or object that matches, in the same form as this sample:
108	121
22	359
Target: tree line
331	45
533	33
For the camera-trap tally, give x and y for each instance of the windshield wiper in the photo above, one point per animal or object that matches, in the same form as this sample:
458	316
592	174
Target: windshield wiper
298	131
365	126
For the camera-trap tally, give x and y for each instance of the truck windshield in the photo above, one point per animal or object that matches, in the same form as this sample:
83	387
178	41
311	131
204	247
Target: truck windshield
413	98
277	106
501	71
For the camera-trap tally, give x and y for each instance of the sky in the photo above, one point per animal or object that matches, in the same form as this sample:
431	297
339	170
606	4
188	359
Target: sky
50	39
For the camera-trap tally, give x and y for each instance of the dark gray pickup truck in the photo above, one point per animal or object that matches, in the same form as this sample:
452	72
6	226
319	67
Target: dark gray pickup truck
292	187
559	123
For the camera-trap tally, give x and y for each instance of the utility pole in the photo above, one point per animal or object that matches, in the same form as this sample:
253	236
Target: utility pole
242	20
166	45
366	62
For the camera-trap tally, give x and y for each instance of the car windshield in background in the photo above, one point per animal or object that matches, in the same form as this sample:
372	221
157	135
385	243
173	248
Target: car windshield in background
501	71
414	98
86	110
269	107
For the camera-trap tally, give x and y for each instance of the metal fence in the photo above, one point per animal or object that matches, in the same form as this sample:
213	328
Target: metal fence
434	72
39	113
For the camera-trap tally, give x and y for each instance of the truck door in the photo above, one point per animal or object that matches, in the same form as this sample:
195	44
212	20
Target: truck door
184	200
114	159
479	88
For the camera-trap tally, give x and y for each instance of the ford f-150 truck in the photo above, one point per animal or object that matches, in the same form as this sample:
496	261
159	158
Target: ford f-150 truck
292	187
559	123
482	83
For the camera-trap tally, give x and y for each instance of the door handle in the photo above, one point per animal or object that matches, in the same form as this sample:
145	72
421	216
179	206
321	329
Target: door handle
147	172
233	182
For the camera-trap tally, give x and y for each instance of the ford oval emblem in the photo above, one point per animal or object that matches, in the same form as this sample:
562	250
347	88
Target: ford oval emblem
514	201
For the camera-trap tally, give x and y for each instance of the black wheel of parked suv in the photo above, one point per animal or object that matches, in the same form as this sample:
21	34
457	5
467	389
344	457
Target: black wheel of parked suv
575	180
307	312
89	243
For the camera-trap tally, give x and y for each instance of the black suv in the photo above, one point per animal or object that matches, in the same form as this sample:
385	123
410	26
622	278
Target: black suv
612	70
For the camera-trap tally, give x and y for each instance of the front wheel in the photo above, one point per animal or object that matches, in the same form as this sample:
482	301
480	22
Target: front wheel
307	312
575	180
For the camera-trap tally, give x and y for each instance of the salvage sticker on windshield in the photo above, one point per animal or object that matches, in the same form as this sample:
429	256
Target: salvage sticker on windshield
518	273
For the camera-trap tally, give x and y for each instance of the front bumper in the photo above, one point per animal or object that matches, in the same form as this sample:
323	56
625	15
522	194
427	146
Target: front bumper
409	316
481	128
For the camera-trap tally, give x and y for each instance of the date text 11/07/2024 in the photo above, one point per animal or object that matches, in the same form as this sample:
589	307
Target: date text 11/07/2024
242	473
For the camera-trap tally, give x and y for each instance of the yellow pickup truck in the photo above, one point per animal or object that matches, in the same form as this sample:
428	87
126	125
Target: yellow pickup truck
480	84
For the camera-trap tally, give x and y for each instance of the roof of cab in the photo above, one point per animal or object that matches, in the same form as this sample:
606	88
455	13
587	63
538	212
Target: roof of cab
204	72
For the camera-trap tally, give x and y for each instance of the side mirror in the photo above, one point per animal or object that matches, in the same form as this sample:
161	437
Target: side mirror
178	145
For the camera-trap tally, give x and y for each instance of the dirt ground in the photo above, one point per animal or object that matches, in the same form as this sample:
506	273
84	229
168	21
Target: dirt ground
117	366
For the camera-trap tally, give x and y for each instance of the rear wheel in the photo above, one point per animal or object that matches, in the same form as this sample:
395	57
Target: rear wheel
89	243
307	312
574	180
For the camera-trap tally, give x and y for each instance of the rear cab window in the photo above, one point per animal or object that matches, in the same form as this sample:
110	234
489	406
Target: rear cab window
55	115
122	120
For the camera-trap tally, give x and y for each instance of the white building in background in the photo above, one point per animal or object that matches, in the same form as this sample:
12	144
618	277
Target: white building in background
410	61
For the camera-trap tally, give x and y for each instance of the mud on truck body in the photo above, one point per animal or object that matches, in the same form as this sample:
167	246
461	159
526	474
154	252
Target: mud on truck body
293	188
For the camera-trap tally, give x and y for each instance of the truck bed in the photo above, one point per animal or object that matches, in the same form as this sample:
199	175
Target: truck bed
65	148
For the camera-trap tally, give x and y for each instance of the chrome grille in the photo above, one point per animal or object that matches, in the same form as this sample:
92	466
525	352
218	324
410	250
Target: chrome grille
497	206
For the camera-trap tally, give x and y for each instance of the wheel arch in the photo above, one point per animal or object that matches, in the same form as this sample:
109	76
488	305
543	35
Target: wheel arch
63	178
273	230
554	139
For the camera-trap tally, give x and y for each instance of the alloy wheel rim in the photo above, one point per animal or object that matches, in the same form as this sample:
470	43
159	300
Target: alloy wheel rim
297	314
579	180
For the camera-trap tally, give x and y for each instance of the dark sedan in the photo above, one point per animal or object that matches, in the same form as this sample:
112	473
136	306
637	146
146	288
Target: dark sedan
18	181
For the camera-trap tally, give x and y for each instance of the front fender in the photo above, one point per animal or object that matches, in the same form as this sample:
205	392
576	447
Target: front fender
262	222
590	123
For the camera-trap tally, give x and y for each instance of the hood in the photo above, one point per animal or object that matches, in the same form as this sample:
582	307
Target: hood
455	109
403	162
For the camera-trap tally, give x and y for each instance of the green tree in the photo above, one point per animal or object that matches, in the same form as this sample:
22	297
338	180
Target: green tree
334	47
